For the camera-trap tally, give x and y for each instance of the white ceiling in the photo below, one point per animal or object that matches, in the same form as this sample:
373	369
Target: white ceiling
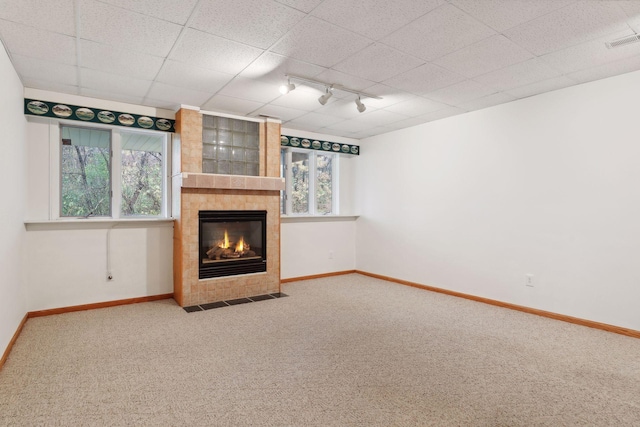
427	59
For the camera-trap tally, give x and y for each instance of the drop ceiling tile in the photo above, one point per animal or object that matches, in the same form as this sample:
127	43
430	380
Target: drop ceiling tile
271	68
168	10
378	62
119	61
346	128
24	40
487	55
487	101
191	77
282	113
165	105
126	29
37	69
571	25
50	86
228	104
178	95
591	54
343	79
542	87
610	69
256	23
439	32
209	51
458	93
374	18
504	14
315	119
416	106
379	118
426	78
630	7
388	94
56	16
110	96
113	83
251	89
345	109
320	43
521	74
305	6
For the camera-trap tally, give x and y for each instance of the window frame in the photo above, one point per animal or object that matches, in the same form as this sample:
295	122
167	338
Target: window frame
286	160
55	167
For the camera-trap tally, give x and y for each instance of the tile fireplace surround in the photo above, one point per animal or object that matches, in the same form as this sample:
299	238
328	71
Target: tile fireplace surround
194	191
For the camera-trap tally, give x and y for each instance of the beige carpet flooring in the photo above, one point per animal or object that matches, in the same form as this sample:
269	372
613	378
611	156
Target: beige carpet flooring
342	351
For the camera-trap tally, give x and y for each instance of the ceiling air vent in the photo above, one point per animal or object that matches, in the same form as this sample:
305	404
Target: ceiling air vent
623	41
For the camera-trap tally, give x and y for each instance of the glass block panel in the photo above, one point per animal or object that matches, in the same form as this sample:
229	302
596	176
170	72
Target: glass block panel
224	137
209	166
253	169
224	123
252	141
224	167
239	125
238	139
208	151
208	135
208	121
252	156
226	140
224	153
237	154
238	168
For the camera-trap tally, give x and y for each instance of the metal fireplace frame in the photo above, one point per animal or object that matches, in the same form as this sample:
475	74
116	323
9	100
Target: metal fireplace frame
236	267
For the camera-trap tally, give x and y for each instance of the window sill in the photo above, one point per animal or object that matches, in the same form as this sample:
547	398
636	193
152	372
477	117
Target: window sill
96	223
317	218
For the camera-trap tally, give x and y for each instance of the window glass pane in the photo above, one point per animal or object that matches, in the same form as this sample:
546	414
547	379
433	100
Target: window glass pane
299	182
324	188
85	172
141	159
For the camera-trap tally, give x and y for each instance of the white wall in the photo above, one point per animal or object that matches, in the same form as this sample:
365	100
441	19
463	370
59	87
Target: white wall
13	305
547	185
317	247
71	260
71	263
306	245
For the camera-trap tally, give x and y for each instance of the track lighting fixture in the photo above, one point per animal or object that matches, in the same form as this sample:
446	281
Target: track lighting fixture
328	90
284	89
327	94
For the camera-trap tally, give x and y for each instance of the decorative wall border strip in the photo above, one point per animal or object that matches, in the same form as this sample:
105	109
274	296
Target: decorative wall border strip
314	144
36	107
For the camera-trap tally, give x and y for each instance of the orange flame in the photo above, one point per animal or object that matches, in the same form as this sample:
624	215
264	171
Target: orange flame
225	244
240	245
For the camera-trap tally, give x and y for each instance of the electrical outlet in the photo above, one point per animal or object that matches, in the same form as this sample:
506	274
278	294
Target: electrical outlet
529	280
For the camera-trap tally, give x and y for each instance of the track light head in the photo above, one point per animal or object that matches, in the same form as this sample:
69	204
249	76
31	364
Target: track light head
284	89
361	106
327	94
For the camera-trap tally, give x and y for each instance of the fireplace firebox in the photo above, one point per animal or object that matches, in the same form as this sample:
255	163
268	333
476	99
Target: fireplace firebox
232	242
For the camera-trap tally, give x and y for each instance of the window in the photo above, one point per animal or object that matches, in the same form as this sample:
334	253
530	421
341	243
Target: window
112	172
311	182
